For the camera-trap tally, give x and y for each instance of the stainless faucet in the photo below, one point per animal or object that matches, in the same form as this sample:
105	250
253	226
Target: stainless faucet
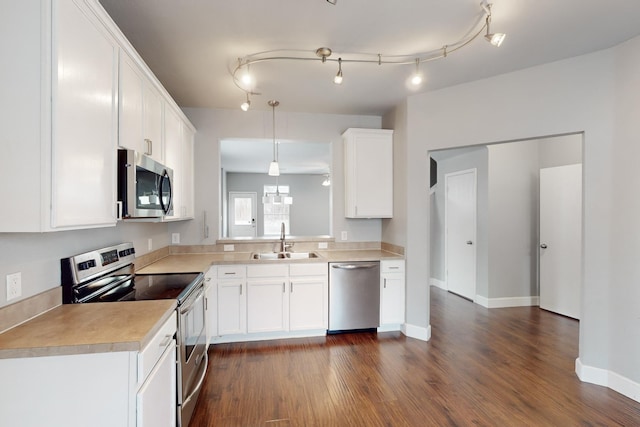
283	244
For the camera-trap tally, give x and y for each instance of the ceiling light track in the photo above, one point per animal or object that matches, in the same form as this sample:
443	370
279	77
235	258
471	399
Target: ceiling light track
323	54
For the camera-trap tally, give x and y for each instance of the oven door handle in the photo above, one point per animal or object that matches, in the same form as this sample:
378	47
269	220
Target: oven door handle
193	300
200	381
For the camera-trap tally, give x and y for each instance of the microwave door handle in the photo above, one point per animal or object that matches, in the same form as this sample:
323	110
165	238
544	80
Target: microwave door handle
165	180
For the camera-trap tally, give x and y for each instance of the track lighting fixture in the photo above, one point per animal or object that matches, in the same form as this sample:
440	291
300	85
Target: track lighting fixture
323	54
246	104
416	79
495	39
338	78
274	167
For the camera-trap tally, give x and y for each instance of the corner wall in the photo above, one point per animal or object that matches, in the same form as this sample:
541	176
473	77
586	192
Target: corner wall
570	96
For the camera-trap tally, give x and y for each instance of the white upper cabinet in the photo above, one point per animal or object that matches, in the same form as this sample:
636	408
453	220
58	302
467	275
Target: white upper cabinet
368	159
73	89
59	118
140	111
178	137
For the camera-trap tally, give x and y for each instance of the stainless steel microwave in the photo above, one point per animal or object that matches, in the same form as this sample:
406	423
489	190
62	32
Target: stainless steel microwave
144	186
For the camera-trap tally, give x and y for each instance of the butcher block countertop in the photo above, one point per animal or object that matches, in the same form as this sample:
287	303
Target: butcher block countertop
200	263
87	328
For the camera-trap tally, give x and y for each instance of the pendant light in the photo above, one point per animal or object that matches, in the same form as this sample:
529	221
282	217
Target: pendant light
274	167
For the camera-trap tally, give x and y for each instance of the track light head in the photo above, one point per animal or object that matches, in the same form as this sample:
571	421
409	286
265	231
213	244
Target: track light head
495	39
338	78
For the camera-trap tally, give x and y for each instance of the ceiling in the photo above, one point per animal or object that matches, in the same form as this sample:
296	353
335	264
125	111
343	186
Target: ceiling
192	45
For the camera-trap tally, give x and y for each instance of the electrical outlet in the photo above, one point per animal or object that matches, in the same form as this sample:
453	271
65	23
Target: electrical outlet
175	238
343	235
150	244
14	286
229	248
322	245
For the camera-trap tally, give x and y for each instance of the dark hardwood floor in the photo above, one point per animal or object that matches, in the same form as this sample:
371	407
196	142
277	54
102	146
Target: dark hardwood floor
499	367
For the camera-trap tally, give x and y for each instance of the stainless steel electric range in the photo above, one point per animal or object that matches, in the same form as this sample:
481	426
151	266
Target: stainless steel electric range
108	275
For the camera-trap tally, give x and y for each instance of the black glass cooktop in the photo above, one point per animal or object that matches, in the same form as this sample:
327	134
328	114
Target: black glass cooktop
163	286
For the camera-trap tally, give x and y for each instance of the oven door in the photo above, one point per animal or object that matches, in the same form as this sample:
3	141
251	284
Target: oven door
192	352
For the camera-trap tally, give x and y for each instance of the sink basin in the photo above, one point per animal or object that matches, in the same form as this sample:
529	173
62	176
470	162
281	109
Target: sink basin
284	255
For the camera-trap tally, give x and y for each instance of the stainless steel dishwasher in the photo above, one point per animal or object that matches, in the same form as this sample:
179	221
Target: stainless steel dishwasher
354	296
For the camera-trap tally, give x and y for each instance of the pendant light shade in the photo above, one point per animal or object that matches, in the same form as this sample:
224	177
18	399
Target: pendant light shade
274	167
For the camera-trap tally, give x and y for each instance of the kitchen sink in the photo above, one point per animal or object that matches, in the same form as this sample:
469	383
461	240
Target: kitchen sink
284	255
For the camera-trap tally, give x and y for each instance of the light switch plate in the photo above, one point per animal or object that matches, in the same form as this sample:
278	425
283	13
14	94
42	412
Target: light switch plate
14	286
229	248
175	238
343	235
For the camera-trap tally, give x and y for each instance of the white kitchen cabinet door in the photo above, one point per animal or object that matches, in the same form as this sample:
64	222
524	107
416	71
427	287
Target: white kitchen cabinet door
267	304
232	306
84	120
153	122
308	303
173	159
188	179
368	158
392	293
156	399
178	149
58	102
131	134
140	111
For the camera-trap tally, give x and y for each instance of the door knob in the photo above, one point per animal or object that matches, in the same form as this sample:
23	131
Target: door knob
469	242
543	246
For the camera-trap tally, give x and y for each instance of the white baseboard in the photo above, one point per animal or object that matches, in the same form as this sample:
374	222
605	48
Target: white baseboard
616	382
417	332
507	302
438	283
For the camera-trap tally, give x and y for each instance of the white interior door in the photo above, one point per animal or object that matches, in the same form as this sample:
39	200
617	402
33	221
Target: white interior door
460	233
242	214
561	239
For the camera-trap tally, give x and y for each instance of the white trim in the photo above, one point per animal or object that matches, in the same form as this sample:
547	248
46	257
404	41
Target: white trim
507	302
417	332
389	327
438	283
602	377
264	336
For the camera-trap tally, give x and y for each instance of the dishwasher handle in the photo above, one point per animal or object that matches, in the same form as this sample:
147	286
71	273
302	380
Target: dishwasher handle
354	266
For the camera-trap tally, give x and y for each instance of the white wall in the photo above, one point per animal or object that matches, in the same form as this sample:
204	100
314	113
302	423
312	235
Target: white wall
214	125
513	219
623	305
37	255
593	94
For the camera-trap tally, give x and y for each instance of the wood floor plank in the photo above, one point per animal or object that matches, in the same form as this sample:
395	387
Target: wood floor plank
482	367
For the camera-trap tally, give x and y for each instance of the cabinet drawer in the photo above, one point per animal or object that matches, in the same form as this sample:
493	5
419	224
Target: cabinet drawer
392	266
149	355
231	271
315	269
268	270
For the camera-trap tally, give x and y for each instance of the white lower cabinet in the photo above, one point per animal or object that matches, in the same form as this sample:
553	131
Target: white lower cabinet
156	399
392	294
267	298
278	300
308	297
125	388
232	300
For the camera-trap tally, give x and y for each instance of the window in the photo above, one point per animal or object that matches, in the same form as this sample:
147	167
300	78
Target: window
275	213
